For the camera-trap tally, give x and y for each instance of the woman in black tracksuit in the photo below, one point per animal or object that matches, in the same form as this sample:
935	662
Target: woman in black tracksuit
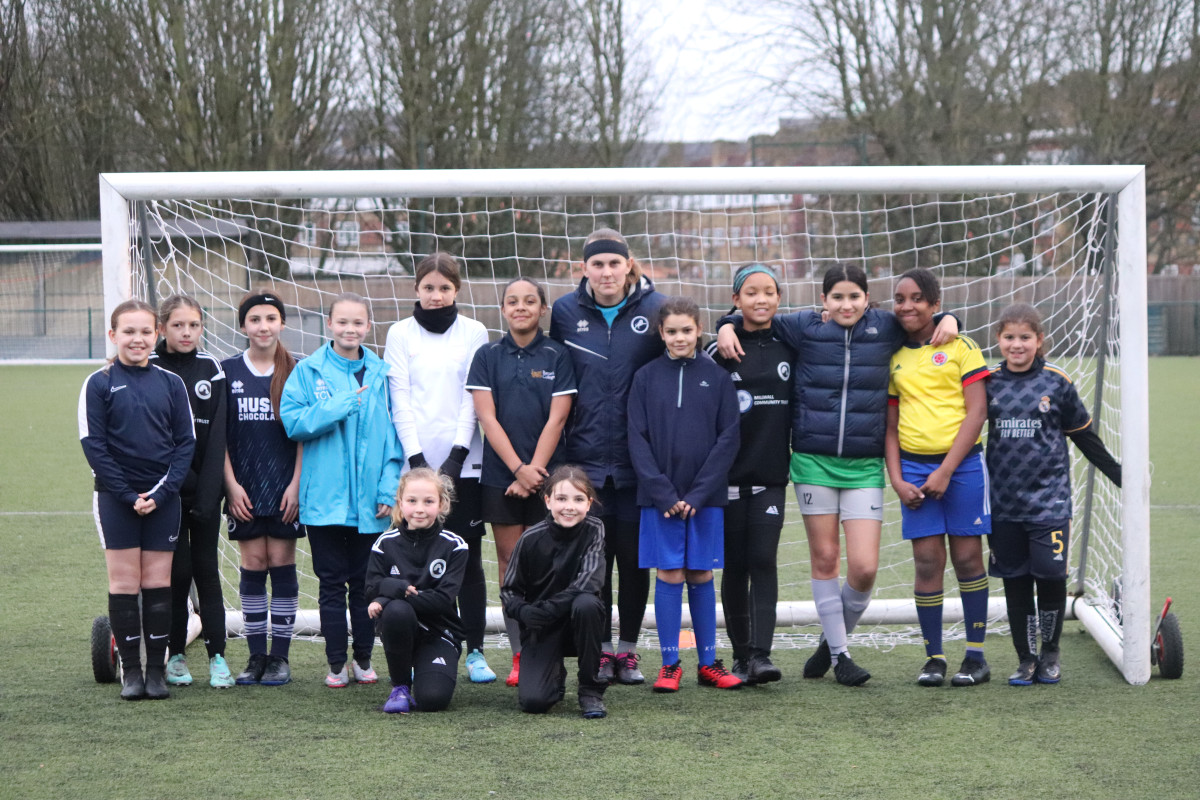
180	326
759	477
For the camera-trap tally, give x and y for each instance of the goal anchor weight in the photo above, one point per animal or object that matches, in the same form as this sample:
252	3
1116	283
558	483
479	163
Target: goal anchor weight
1166	648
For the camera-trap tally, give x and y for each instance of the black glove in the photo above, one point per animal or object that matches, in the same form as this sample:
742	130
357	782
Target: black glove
417	460
453	465
535	618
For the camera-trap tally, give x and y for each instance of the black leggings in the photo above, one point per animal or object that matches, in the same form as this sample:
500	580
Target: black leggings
750	582
466	519
543	673
196	560
416	658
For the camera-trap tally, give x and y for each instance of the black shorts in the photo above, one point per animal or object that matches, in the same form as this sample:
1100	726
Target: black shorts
259	527
1039	549
122	528
502	509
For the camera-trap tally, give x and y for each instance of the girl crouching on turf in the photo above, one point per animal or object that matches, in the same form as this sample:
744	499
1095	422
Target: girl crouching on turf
135	426
936	409
552	589
262	488
181	325
336	403
413	577
1032	409
522	386
683	438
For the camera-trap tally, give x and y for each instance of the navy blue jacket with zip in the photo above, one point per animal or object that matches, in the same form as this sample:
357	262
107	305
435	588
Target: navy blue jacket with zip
605	361
684	432
839	402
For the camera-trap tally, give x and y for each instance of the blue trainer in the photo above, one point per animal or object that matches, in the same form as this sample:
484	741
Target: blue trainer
399	701
477	668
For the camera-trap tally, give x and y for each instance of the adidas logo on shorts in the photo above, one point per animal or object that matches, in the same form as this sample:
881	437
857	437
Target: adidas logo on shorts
440	660
395	570
772	510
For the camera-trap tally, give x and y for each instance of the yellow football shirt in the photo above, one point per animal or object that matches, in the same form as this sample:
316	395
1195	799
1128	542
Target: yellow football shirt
927	383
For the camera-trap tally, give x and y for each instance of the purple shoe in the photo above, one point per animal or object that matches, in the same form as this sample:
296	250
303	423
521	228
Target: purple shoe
399	701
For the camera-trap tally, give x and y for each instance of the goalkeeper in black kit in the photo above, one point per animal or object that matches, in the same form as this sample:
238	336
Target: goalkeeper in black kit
552	588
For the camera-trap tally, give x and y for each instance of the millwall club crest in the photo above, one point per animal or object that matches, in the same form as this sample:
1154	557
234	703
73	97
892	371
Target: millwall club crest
639	324
784	370
940	358
437	567
745	400
203	389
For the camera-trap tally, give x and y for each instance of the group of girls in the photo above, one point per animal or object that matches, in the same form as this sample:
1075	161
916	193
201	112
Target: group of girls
682	462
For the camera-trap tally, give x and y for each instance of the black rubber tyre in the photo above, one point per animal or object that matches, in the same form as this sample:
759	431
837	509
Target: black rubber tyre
104	651
1168	648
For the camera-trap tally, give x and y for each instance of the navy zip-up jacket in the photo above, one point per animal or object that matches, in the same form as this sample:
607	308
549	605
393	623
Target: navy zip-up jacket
683	432
605	362
839	403
205	381
135	426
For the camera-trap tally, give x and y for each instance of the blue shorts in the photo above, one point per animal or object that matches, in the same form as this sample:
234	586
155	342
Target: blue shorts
122	528
673	543
258	527
1039	549
964	510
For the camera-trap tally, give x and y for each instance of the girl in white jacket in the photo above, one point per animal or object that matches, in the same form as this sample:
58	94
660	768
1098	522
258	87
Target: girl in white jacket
430	354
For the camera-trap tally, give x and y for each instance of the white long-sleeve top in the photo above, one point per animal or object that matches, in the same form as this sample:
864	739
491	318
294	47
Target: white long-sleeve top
431	407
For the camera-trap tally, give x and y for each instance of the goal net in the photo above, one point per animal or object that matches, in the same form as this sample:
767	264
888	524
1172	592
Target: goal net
1069	240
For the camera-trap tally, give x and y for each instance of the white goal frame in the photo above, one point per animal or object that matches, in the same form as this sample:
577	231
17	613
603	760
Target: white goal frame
1128	646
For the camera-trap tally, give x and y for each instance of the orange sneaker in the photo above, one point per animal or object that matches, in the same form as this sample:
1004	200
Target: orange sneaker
715	674
514	677
668	678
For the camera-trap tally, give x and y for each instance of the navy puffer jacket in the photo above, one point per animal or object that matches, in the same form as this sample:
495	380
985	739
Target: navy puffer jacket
839	403
605	360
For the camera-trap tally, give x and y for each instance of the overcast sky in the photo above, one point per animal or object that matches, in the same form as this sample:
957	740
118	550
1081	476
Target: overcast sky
705	57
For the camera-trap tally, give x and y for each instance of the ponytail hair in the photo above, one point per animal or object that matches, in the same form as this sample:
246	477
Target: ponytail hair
284	361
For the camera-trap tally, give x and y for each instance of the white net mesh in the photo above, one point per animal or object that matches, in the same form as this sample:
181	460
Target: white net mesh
989	250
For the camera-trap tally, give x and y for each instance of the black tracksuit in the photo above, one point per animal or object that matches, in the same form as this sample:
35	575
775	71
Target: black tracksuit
754	518
200	520
552	588
422	633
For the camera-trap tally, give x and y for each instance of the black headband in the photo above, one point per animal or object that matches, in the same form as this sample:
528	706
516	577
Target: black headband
605	246
260	300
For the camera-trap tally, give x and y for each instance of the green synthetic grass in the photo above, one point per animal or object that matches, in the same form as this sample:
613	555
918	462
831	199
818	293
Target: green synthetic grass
64	735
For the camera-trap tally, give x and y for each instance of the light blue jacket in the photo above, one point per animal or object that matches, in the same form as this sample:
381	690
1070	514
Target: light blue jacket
352	456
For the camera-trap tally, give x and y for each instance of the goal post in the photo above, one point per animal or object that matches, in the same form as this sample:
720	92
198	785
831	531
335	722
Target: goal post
995	234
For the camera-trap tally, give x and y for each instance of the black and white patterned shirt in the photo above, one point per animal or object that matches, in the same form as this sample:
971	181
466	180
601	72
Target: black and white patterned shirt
1030	415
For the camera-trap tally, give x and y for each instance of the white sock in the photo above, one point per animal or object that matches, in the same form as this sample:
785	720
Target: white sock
854	604
828	598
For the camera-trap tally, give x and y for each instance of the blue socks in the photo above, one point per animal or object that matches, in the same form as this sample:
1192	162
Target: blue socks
252	590
974	594
668	610
702	602
929	615
285	600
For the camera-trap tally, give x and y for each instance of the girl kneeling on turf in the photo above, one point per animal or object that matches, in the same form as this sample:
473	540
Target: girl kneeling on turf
937	405
1032	409
552	589
135	426
413	577
522	386
336	403
683	438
